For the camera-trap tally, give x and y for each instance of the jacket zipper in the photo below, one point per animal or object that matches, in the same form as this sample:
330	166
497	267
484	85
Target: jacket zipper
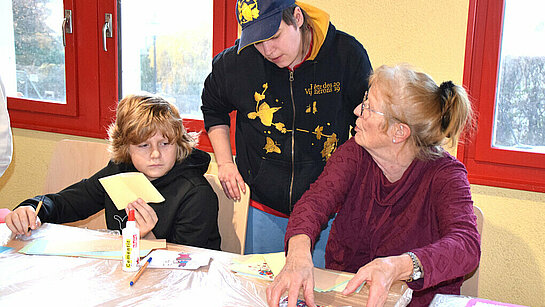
292	142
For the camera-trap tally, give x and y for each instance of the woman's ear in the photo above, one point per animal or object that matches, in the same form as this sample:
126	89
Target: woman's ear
401	132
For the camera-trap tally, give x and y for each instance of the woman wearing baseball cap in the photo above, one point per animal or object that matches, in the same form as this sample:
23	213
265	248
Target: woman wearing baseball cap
293	79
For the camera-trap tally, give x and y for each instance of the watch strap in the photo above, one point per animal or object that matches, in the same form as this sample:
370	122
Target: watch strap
418	272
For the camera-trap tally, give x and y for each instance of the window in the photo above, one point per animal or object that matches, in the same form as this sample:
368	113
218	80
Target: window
69	81
505	76
34	63
167	51
36	41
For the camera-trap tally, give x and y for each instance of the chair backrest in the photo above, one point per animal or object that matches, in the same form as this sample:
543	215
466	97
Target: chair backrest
470	287
71	162
232	217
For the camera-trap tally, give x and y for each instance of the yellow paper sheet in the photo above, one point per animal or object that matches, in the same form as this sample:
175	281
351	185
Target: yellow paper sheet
259	265
124	188
252	265
276	261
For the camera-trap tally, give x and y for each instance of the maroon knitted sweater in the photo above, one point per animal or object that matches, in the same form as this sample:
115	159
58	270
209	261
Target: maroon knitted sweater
428	211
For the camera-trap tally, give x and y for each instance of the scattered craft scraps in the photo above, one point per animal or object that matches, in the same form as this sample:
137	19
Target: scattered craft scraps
124	188
176	260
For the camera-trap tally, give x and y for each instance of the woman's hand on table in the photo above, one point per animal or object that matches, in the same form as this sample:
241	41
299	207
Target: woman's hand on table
297	273
144	215
231	180
22	220
379	275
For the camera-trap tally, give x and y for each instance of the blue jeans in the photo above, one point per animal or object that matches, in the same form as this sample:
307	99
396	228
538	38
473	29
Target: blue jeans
265	234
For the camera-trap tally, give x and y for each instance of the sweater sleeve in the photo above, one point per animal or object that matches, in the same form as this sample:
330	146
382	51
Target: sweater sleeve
6	142
196	222
457	252
74	203
326	195
215	107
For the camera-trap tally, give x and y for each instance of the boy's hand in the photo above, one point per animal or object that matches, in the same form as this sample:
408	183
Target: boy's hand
22	220
144	215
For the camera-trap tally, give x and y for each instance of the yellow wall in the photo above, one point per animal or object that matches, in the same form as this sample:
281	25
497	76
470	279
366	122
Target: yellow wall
431	36
25	177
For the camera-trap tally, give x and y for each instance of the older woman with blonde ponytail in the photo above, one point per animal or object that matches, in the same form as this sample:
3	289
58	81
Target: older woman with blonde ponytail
404	208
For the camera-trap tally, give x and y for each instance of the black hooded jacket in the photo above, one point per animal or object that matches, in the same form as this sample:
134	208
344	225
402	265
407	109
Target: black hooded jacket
288	123
188	215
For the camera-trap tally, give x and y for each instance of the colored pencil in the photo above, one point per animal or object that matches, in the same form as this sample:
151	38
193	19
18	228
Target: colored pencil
39	205
142	269
38	209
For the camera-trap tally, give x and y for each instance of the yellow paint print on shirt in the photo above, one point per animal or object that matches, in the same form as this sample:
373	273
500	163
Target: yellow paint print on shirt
263	111
312	108
271	146
329	145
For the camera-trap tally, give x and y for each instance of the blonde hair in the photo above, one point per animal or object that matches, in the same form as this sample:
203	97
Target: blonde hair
139	117
437	115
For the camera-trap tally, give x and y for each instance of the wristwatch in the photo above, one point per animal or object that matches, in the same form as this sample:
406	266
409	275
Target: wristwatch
417	268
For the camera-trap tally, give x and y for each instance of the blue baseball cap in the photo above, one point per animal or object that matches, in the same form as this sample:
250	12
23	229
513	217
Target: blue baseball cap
259	19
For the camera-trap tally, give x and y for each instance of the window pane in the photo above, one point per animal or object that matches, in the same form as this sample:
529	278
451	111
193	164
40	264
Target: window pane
519	122
31	37
166	49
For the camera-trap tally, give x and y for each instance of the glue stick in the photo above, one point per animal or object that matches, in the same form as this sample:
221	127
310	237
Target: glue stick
131	244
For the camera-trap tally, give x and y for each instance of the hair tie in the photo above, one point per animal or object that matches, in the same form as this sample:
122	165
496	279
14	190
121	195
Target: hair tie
447	85
445	90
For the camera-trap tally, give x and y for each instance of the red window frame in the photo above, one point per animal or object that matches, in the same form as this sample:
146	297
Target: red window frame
92	74
80	115
487	165
224	14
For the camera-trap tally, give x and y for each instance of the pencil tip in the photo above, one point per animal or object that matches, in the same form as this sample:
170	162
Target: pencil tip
131	283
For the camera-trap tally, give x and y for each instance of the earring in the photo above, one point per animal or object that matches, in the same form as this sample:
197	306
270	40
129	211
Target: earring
394	140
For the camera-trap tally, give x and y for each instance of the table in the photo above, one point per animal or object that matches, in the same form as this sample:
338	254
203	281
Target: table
67	281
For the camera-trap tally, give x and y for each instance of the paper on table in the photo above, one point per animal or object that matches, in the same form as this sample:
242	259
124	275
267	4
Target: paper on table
268	266
275	261
252	265
325	281
176	260
124	188
43	246
39	246
5	249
